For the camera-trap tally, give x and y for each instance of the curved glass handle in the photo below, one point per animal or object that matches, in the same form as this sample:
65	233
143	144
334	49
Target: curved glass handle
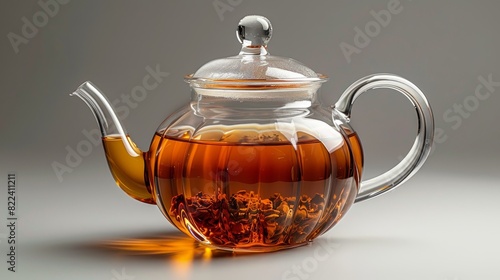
425	131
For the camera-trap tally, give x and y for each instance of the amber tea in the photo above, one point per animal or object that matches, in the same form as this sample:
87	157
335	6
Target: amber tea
265	192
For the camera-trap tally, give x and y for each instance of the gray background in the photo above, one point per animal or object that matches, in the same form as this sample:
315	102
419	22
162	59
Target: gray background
443	224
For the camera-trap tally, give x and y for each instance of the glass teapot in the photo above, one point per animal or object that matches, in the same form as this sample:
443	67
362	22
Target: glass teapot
254	162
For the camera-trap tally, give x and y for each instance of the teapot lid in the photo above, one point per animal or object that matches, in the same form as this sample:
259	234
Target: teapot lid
254	67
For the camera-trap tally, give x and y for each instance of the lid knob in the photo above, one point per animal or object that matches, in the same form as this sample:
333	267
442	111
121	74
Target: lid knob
254	32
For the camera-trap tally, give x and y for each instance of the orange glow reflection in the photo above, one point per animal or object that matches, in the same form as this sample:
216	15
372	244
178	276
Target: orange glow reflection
181	250
177	247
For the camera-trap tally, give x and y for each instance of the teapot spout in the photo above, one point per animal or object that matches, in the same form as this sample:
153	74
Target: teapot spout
126	161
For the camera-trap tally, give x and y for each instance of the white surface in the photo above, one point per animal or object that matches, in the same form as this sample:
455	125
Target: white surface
442	226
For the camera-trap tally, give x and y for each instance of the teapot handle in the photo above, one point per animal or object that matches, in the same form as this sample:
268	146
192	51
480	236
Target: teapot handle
425	131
